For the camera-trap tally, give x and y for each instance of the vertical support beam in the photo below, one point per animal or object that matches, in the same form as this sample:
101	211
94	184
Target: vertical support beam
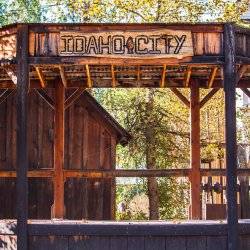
231	146
22	146
59	151
195	160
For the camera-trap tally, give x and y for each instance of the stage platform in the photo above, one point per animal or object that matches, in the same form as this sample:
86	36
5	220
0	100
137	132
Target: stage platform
110	235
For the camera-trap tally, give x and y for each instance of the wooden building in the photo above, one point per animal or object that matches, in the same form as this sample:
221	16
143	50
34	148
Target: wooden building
91	136
76	56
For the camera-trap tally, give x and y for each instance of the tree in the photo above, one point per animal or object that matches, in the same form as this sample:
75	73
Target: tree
159	127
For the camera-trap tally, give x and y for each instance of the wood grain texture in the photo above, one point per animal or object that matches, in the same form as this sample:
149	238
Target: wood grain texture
216	243
120	243
136	243
195	176
175	243
89	243
48	243
59	151
196	243
154	243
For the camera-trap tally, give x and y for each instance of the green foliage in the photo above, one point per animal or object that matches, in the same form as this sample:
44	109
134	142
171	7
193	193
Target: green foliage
121	10
167	118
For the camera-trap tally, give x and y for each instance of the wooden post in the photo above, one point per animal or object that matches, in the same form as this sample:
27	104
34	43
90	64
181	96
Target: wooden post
231	144
59	151
22	147
195	177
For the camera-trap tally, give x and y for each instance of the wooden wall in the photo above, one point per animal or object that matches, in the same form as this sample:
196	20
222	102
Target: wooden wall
65	235
89	144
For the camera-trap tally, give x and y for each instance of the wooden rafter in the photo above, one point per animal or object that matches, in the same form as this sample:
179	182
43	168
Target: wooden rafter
187	76
212	77
246	91
12	75
89	81
163	76
181	96
113	76
63	76
208	97
241	71
45	97
41	77
72	98
6	93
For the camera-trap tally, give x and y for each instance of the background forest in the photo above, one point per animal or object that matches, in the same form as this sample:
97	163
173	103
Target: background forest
157	120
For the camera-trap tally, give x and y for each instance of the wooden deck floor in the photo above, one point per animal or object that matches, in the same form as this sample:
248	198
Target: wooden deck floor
100	235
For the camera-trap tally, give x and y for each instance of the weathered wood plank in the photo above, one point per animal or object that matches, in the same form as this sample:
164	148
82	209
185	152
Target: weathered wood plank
89	243
175	243
59	151
48	243
208	97
155	243
136	243
181	96
129	43
195	176
196	243
244	242
216	243
22	147
230	131
120	243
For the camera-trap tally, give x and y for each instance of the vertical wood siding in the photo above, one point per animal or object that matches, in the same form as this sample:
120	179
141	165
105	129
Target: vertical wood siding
87	146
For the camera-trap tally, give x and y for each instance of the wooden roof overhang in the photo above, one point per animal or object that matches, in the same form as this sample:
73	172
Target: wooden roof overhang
201	56
135	55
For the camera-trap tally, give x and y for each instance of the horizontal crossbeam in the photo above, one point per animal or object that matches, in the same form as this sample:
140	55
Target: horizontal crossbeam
48	173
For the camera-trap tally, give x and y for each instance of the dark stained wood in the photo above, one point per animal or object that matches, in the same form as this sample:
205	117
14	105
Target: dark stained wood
73	97
120	243
6	93
208	97
246	91
22	146
196	243
244	197
195	176
175	243
230	130
240	72
127	173
46	98
136	243
123	173
128	242
244	242
59	133
89	242
49	243
180	96
216	243
154	243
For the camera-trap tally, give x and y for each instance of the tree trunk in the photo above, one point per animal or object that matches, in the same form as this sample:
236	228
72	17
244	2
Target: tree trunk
150	159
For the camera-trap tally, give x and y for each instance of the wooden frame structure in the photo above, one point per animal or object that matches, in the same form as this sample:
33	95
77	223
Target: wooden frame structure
215	56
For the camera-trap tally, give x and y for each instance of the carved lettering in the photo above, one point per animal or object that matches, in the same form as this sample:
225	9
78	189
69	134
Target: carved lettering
160	43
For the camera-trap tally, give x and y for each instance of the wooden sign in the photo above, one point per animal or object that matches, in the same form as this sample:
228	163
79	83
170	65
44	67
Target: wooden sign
162	43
